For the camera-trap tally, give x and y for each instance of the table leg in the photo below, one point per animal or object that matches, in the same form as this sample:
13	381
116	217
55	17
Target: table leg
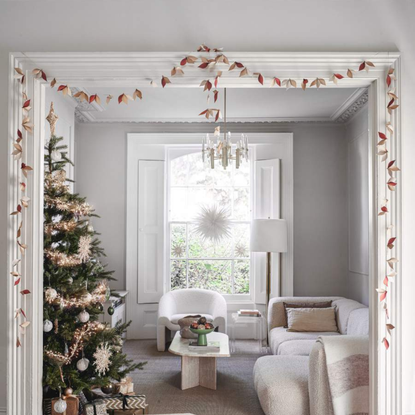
207	372
190	372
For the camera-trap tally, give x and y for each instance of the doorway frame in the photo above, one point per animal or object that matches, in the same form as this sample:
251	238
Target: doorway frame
89	70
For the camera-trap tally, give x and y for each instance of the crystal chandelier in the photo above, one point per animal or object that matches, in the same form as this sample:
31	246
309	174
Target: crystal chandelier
220	148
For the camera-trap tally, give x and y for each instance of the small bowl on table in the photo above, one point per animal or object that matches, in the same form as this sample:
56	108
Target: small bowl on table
201	338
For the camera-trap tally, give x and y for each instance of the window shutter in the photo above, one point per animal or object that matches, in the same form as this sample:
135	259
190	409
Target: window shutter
267	205
150	231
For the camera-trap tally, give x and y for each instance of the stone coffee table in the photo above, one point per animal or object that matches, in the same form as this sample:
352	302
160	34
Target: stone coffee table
199	368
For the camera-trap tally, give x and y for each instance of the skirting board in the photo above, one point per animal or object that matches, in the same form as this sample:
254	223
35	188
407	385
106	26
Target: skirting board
3	411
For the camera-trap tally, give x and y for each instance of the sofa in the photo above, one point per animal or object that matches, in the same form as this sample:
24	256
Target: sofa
177	304
294	379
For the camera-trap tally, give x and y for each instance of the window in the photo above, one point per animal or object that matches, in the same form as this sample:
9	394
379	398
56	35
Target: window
195	263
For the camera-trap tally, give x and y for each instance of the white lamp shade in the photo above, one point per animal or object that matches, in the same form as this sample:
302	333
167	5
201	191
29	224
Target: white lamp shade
269	235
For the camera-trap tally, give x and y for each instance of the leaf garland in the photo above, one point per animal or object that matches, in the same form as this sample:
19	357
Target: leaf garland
23	201
210	64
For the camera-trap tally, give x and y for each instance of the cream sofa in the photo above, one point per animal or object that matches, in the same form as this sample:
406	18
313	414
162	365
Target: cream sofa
177	304
294	380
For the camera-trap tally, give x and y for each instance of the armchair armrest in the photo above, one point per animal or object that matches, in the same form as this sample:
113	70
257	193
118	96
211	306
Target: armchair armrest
167	307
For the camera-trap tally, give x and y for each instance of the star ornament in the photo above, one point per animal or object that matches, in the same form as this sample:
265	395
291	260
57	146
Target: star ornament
213	224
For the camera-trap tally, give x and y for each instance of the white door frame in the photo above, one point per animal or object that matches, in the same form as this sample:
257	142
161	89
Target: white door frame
135	70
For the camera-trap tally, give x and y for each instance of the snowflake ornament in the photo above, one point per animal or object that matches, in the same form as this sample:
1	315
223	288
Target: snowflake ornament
178	251
241	251
102	359
213	224
84	248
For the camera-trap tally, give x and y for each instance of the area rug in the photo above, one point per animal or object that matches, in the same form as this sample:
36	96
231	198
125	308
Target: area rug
160	382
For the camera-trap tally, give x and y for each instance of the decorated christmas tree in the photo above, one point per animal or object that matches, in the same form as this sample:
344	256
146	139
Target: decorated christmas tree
79	351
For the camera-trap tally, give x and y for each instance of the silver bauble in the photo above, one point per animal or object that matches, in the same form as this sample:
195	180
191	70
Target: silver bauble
50	294
83	316
69	280
60	406
82	364
90	228
47	326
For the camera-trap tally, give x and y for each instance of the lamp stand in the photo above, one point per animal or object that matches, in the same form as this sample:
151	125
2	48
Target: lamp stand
268	291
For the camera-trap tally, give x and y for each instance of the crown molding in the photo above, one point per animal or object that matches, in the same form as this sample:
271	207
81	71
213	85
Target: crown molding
342	115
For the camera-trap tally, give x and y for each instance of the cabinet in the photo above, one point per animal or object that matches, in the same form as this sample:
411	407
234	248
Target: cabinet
119	306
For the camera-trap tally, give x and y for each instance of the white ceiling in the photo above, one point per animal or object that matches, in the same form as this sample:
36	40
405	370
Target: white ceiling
253	104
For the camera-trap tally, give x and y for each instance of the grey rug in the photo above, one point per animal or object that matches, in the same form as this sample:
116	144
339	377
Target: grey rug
160	382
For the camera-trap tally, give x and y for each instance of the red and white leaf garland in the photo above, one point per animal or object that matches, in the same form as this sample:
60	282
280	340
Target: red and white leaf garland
23	201
207	84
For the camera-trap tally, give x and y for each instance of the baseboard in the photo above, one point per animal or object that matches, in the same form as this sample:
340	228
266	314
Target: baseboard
3	411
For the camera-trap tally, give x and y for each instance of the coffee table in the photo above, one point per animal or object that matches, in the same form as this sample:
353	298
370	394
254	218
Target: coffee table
199	368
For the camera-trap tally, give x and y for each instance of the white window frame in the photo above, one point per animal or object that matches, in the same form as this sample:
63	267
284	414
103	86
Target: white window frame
188	149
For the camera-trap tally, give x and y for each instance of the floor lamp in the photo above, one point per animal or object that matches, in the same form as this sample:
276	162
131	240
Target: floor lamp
269	235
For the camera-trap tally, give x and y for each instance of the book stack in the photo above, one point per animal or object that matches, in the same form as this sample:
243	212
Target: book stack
210	348
249	313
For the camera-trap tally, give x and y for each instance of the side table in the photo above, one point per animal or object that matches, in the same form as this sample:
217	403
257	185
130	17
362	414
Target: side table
259	329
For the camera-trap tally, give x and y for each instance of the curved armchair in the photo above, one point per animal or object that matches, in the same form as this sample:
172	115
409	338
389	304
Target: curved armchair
177	304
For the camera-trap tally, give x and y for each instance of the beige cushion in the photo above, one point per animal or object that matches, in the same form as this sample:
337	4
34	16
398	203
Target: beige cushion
276	313
312	319
322	304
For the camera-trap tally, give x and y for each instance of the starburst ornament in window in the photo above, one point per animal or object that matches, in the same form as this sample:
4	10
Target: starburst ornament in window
213	224
241	250
84	248
102	359
178	251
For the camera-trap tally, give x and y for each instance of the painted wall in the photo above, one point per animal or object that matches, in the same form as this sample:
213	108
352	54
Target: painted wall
303	25
358	207
320	196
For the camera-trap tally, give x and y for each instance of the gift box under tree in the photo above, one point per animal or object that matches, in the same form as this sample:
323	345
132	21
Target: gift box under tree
97	407
125	402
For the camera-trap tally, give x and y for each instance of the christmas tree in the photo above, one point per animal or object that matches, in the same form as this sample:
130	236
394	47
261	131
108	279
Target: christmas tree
79	352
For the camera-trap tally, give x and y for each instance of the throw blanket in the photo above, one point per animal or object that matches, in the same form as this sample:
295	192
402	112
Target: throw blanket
347	360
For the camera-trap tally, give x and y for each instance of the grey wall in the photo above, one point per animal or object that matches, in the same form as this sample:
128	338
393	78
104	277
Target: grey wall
358	205
106	25
320	196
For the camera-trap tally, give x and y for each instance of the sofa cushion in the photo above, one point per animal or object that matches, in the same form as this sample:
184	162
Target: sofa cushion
312	319
280	335
320	304
344	308
358	324
281	383
276	313
296	348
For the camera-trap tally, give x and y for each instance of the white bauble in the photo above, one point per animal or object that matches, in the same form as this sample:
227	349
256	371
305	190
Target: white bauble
82	364
90	228
56	155
69	280
47	326
83	316
60	406
87	297
50	294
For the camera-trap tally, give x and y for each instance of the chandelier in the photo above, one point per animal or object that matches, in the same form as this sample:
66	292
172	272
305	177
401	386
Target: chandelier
221	149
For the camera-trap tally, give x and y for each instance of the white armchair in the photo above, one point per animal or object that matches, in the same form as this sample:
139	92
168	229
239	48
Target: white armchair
179	303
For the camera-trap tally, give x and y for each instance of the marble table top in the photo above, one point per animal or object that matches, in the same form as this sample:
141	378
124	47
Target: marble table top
180	346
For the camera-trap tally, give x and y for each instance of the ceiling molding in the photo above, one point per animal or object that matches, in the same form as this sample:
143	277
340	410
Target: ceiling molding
347	103
341	116
353	109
